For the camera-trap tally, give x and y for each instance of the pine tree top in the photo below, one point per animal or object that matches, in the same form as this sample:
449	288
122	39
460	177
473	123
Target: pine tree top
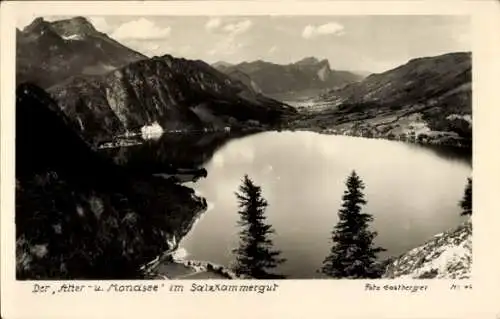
353	253
466	202
255	254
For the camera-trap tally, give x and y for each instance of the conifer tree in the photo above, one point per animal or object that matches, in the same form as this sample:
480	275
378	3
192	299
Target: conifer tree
255	255
466	202
353	254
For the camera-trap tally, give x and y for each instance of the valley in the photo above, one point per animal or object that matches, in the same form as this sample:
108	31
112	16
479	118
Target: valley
431	105
124	161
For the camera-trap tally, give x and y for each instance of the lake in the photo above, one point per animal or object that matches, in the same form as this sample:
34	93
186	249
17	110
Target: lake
412	191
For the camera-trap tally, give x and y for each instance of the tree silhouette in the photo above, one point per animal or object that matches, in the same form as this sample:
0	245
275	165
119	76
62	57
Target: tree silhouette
466	202
353	254
255	255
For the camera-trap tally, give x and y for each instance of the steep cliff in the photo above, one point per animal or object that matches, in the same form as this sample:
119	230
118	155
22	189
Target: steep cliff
446	256
78	215
176	93
50	52
306	74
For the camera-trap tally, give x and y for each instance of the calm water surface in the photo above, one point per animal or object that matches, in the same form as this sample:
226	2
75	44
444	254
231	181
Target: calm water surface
412	193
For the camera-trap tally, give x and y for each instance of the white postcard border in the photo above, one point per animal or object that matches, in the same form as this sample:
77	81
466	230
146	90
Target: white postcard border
294	298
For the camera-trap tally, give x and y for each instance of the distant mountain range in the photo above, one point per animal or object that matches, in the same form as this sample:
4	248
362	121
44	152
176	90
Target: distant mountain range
106	89
50	52
429	96
270	78
418	81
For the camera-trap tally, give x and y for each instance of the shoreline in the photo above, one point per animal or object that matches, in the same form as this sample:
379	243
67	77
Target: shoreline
445	141
200	266
429	142
167	256
197	266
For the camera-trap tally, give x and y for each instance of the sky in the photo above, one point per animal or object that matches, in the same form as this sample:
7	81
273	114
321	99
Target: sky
356	43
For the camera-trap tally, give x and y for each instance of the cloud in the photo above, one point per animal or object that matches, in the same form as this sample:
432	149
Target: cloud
213	24
228	44
273	49
231	29
141	29
332	28
100	24
238	27
148	47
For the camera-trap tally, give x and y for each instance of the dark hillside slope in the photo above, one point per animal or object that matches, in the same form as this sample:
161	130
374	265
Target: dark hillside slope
176	93
78	215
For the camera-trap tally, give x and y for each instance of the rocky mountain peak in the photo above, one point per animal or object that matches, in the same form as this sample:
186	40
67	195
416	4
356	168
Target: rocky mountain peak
167	57
324	62
222	64
78	26
312	62
50	52
309	73
308	61
39	25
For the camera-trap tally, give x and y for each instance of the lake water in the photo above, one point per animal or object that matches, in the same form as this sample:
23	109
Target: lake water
412	192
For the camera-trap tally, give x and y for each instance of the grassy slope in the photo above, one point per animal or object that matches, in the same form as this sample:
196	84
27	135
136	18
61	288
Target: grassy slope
430	97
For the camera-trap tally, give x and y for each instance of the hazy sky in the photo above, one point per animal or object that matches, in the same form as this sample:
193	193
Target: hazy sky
361	43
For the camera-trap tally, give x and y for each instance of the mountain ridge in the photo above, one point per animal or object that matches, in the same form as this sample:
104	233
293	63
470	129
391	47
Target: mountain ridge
425	99
175	92
305	74
107	89
50	52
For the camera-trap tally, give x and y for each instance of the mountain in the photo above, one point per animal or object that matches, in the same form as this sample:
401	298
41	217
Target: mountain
221	65
176	93
427	98
446	256
50	52
80	216
243	78
418	81
306	74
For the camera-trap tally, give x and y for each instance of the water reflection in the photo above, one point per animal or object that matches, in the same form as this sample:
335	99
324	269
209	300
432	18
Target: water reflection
462	155
411	191
170	154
